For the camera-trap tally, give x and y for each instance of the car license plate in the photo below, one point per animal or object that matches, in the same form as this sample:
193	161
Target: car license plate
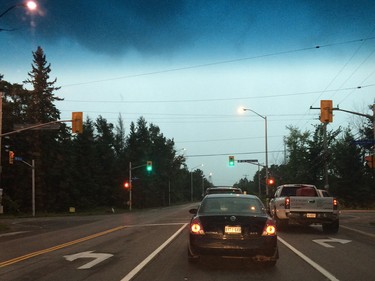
232	229
311	216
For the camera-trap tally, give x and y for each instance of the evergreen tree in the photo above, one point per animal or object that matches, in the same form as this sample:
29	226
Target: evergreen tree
40	145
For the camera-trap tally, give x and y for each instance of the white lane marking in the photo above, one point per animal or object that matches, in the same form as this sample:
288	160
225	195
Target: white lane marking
324	242
358	231
98	258
328	275
13	233
139	267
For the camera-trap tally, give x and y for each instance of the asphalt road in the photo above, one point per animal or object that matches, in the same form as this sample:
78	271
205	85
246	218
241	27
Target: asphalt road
151	245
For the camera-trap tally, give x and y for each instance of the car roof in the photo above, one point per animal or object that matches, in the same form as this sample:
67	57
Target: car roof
223	195
223	187
297	185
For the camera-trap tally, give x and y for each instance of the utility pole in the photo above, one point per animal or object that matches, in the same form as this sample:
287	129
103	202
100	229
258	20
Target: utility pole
1	166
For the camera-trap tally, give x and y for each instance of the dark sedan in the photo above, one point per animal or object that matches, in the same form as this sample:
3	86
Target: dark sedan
232	225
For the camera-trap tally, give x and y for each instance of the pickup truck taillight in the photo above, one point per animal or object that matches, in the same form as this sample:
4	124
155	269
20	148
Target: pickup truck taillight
287	203
335	203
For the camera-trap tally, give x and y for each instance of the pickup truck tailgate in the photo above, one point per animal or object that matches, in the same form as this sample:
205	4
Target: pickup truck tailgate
311	204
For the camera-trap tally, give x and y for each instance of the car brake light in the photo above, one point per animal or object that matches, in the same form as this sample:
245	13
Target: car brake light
335	203
287	203
269	228
196	227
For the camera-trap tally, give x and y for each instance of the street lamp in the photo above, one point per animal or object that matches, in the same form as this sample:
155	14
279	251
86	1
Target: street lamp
265	140
191	181
29	5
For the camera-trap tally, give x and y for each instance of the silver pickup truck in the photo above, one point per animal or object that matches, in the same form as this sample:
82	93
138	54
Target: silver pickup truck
304	204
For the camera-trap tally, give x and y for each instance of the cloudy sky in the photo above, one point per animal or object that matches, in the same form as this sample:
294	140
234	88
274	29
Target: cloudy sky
188	65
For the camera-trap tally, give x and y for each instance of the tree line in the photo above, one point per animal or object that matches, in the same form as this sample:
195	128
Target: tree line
85	170
88	170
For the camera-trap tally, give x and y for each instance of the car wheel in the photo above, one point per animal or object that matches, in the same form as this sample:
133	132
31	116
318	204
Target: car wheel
192	258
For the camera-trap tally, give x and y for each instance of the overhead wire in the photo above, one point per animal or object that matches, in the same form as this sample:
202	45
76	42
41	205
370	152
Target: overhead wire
217	63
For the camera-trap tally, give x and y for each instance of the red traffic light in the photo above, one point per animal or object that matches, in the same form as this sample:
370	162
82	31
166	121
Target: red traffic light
11	157
126	185
270	181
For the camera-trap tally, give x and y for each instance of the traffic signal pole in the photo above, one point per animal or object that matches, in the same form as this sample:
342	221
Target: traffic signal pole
326	110
130	186
131	181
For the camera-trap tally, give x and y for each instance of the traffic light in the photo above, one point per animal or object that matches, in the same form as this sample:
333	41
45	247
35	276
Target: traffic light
149	166
77	122
370	161
231	161
11	157
126	185
326	111
270	181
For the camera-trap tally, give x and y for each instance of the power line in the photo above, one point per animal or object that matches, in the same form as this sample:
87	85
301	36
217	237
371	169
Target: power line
219	62
222	99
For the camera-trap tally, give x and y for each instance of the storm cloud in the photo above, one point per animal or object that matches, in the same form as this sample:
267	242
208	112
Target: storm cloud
160	26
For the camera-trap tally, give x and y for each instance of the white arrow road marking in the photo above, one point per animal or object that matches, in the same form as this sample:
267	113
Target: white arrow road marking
323	242
98	258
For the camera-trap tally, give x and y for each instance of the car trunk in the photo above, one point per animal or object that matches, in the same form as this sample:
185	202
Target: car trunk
233	226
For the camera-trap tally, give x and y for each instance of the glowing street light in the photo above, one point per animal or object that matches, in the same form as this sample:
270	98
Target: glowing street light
29	5
241	110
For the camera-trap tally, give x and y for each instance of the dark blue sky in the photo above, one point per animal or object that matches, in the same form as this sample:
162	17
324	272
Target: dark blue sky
162	27
188	65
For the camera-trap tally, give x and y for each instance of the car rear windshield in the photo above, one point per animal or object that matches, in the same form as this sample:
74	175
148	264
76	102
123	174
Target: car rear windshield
230	205
223	190
299	191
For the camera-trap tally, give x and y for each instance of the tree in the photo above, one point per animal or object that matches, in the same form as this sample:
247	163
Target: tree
41	106
33	107
348	169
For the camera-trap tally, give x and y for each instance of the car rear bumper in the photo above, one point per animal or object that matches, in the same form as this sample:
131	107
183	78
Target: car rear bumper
320	217
262	248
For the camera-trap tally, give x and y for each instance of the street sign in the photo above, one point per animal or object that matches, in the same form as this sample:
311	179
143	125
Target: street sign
248	161
18	158
364	142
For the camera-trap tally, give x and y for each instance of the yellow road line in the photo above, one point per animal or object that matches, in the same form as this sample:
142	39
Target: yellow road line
37	253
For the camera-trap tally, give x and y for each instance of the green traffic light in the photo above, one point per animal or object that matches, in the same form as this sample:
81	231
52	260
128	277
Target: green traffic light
231	161
149	166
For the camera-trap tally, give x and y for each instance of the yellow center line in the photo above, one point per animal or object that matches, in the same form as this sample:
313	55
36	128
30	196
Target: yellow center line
37	253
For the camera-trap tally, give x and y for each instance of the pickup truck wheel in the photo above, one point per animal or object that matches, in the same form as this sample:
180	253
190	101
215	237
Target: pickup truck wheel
331	227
